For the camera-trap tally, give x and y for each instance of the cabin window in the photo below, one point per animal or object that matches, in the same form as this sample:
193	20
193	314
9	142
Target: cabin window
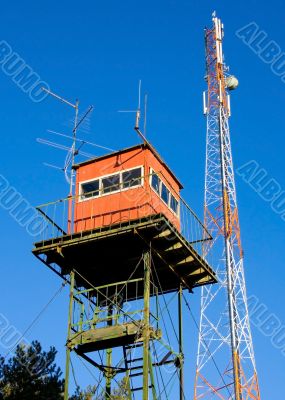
123	180
173	204
132	178
111	184
90	189
164	193
155	183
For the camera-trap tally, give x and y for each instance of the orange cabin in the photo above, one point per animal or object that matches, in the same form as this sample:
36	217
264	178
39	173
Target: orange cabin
125	185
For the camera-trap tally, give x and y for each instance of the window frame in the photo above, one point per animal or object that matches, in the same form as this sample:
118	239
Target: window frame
108	189
121	189
82	193
128	170
162	181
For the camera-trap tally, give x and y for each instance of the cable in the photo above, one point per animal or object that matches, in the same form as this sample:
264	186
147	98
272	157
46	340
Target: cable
106	297
165	303
209	351
73	374
36	318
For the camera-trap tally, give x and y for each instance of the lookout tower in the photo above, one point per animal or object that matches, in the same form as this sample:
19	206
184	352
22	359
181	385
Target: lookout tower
125	242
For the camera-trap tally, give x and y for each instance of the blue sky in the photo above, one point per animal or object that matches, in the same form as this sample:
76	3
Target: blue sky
97	51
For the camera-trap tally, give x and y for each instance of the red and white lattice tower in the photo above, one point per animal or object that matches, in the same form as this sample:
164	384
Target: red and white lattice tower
225	363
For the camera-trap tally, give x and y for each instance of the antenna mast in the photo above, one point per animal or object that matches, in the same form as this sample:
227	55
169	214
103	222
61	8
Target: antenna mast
225	362
74	130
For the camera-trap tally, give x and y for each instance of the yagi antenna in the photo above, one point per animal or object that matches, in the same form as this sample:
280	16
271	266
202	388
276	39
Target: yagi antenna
72	152
82	119
80	140
53	166
75	107
62	147
61	98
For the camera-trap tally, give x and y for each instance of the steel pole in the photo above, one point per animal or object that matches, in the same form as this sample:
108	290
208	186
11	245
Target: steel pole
68	351
146	260
180	334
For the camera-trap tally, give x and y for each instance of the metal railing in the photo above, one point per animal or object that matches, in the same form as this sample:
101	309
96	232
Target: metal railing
74	215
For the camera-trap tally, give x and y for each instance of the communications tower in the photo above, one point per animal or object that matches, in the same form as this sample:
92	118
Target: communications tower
225	364
131	249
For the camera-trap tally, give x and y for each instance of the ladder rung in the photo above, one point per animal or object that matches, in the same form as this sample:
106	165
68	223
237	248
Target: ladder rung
139	388
137	374
135	360
138	344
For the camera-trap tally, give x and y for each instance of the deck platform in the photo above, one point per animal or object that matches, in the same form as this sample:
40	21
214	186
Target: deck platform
110	337
111	254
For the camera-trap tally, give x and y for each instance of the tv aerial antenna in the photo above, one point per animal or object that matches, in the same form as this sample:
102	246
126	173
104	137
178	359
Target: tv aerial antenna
72	151
77	143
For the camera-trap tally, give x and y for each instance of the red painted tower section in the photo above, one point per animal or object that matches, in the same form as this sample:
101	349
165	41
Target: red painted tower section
125	185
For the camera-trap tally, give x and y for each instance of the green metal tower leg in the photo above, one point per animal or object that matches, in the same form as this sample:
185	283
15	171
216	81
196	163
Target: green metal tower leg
68	351
181	369
108	372
146	259
154	396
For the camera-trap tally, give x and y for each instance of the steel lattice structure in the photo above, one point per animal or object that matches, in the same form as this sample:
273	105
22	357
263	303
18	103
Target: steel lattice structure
225	364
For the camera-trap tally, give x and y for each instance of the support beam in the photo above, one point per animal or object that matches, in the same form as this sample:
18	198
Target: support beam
146	260
68	350
180	333
109	372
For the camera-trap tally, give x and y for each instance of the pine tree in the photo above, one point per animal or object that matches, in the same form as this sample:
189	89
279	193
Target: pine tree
31	374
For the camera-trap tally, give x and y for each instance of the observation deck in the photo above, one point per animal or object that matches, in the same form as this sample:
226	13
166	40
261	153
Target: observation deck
126	203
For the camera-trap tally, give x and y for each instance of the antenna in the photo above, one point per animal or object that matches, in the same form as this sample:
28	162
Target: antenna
145	114
138	112
76	124
62	147
81	140
224	329
72	151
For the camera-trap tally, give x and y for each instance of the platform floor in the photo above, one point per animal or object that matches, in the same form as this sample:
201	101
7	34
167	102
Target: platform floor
110	254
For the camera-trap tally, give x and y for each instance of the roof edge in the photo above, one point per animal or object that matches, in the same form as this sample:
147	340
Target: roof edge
145	145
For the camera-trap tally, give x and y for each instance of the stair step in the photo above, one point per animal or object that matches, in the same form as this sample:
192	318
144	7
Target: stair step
187	260
173	246
163	235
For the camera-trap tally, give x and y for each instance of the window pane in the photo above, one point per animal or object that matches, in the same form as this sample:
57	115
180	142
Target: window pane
132	178
90	189
155	182
174	204
165	193
111	183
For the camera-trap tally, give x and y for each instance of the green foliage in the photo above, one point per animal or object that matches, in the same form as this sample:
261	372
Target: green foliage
122	392
119	393
87	394
30	374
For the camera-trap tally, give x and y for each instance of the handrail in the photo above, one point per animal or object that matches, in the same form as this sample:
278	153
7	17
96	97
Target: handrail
87	216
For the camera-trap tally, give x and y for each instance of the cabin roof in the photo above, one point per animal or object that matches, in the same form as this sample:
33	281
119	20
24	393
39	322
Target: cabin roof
142	146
